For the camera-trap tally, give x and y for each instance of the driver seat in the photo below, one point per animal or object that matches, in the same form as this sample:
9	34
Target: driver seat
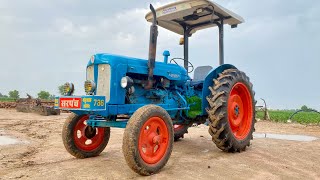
200	73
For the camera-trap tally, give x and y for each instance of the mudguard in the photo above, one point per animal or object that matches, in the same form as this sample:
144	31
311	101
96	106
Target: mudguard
209	82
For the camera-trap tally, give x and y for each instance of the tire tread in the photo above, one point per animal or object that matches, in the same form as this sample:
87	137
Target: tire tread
219	128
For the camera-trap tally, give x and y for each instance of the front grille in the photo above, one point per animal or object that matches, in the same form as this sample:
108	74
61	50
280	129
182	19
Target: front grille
103	84
103	80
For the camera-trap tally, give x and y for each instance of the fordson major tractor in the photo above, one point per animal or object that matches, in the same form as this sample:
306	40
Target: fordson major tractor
156	102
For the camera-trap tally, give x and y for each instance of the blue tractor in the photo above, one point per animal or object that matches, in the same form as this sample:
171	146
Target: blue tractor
156	102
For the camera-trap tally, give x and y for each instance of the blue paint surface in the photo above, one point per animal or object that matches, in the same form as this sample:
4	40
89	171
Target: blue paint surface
171	95
213	74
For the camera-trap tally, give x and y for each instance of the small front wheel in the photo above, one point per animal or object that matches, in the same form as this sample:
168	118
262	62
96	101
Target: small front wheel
83	141
148	140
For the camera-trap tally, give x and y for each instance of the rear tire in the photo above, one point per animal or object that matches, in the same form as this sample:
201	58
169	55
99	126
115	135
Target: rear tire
83	141
148	140
231	111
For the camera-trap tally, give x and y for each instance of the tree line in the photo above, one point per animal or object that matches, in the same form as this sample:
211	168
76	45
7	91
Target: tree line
14	94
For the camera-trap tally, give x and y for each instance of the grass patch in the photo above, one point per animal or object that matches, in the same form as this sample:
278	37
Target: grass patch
283	116
7	99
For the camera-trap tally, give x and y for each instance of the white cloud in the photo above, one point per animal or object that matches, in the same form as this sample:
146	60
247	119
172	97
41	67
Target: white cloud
46	43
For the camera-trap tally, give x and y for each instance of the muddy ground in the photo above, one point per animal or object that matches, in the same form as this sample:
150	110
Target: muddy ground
41	154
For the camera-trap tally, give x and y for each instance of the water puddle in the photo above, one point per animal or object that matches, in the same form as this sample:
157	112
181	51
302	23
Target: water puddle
301	138
6	140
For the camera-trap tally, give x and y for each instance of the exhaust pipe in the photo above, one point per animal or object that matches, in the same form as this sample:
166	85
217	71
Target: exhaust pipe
152	48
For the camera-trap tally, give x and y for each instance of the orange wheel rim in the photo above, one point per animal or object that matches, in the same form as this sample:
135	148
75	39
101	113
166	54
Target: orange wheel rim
87	138
240	110
153	140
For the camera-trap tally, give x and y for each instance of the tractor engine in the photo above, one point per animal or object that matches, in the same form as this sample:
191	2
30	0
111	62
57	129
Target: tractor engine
159	93
164	91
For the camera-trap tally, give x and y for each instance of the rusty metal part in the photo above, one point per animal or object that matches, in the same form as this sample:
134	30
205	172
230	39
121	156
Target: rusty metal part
152	49
30	105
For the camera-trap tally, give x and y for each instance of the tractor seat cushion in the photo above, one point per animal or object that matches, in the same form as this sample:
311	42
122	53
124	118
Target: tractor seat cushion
200	73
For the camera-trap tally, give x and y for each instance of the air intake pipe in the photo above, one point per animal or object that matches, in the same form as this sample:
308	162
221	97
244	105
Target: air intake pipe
152	48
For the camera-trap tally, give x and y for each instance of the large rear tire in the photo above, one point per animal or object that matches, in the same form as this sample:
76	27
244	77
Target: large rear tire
231	111
83	141
148	140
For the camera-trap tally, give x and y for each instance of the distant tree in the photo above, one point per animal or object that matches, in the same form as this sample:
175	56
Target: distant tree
60	88
43	95
3	96
14	94
52	96
305	108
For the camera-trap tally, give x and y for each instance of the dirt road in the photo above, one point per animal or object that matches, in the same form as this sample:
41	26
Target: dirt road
41	154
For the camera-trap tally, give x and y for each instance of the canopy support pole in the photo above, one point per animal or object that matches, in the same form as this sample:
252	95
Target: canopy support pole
221	45
187	29
186	47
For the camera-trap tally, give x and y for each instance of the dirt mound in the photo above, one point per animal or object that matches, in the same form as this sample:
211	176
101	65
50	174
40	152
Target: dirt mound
8	105
31	105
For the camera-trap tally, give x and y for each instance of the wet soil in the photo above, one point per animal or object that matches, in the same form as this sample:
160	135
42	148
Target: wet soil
43	156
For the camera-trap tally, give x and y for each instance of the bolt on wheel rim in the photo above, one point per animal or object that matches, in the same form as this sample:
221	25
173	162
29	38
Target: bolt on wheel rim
240	110
153	140
85	137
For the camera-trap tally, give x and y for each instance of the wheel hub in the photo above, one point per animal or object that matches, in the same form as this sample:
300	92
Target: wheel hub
240	110
235	110
87	138
156	139
90	132
153	140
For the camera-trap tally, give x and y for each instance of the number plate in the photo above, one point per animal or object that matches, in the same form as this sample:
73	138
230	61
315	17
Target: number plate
81	103
70	103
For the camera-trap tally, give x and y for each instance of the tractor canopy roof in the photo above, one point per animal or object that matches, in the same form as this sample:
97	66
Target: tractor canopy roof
195	14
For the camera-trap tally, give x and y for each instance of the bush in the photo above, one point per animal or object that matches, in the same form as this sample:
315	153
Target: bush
14	94
43	95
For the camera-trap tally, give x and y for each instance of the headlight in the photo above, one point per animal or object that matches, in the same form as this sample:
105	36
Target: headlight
89	87
126	82
68	89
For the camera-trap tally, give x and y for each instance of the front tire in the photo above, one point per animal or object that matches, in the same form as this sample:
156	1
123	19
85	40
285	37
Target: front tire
83	141
148	140
231	111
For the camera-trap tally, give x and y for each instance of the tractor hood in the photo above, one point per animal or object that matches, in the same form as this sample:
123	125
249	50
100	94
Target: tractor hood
140	66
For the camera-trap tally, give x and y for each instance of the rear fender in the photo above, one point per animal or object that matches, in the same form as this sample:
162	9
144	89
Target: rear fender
209	82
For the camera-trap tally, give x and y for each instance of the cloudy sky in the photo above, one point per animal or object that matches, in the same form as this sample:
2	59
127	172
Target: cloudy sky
44	43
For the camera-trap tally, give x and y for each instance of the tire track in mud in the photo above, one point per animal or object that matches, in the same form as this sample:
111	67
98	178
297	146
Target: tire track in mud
18	160
45	157
36	132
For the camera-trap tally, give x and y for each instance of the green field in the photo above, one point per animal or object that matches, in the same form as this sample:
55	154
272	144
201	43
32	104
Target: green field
7	100
275	115
283	116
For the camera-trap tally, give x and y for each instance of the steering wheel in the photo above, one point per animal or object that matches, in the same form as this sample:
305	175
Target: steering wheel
189	63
